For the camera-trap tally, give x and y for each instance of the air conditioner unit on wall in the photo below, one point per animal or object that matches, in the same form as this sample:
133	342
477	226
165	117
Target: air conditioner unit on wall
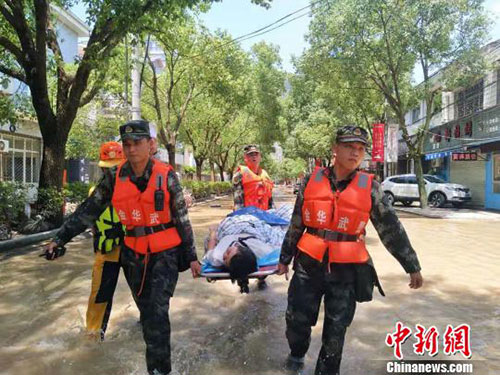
4	145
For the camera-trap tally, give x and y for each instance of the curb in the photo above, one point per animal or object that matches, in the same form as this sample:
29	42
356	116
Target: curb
455	215
417	213
27	240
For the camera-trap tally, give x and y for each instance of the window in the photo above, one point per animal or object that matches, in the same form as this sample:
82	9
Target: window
398	180
496	173
498	86
18	167
470	100
415	115
434	179
411	180
22	162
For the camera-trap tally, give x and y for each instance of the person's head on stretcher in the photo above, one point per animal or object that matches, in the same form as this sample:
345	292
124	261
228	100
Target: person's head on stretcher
240	260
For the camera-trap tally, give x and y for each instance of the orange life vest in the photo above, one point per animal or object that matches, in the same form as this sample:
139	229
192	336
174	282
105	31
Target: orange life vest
147	229
257	188
335	220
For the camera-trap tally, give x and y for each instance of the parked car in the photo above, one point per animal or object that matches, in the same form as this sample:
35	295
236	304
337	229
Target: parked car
404	189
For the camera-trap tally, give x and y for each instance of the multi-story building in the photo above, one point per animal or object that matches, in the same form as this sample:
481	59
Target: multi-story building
463	144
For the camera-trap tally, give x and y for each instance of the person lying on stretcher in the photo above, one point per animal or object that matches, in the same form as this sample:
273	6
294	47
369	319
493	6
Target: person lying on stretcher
238	253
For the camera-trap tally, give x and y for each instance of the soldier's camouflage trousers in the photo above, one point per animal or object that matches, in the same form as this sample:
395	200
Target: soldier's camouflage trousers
308	286
153	301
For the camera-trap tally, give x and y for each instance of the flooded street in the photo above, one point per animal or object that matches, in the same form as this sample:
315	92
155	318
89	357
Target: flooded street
216	330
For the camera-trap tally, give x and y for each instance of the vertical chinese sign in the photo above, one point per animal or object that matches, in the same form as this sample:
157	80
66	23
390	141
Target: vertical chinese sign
391	153
378	143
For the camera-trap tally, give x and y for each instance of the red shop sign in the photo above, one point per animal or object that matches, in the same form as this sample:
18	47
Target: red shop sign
378	143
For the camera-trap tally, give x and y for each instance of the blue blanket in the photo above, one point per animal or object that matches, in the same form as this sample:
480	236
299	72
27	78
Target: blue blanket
261	214
270	259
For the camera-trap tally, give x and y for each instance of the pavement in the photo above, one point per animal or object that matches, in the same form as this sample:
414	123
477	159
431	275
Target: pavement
451	213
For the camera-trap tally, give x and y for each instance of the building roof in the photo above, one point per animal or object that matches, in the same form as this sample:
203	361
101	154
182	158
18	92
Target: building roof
70	20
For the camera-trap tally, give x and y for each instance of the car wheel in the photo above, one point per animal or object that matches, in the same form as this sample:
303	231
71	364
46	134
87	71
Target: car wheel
390	198
458	204
407	203
437	199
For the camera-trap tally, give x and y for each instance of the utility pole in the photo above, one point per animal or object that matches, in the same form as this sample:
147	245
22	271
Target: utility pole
136	83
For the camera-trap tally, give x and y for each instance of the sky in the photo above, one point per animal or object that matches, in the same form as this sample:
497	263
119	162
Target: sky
240	17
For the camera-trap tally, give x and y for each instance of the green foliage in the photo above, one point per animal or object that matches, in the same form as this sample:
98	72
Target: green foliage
187	169
92	127
13	197
203	189
268	85
53	201
76	192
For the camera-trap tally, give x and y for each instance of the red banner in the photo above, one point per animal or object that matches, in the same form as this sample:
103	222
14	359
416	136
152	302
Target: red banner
378	143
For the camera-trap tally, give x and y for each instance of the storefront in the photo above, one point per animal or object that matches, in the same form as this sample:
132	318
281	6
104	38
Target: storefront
492	173
466	152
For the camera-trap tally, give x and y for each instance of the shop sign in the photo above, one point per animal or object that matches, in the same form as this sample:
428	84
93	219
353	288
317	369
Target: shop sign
464	156
378	142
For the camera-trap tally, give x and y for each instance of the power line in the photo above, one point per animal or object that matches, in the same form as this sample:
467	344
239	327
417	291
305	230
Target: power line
277	21
265	29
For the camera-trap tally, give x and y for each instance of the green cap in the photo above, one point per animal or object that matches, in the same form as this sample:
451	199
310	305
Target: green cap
135	129
352	134
248	149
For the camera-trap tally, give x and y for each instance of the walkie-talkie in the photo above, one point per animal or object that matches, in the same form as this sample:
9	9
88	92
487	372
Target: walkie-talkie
159	194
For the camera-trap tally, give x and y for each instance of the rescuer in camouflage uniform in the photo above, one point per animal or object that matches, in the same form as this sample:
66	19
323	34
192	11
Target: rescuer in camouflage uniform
151	277
341	284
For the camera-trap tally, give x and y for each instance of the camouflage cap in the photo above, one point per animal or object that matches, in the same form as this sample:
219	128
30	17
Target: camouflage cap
352	134
135	129
248	149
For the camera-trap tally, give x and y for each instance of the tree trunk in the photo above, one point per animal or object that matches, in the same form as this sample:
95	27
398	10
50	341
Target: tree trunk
199	165
420	180
171	154
52	167
221	172
212	172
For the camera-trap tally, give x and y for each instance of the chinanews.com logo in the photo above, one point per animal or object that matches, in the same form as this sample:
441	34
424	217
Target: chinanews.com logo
429	342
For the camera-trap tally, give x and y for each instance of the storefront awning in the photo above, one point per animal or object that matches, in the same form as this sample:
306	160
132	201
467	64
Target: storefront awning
489	145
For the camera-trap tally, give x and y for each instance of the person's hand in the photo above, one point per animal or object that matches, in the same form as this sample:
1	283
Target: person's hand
416	280
188	199
195	268
50	251
283	270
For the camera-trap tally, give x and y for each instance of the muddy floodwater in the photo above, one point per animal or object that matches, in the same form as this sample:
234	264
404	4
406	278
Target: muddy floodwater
216	330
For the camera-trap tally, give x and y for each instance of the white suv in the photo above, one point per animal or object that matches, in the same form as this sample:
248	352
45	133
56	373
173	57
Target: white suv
404	189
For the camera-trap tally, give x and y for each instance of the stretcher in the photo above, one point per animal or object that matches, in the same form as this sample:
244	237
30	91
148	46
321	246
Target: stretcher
267	265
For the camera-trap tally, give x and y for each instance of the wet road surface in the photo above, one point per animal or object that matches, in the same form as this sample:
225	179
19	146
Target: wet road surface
215	330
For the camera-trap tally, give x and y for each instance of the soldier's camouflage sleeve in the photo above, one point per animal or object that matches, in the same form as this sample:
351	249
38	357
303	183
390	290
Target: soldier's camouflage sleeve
180	215
296	228
89	211
238	196
391	231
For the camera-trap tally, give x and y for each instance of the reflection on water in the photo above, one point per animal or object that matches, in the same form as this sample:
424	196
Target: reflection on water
218	331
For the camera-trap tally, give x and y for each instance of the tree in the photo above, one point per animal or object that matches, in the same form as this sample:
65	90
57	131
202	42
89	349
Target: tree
268	85
380	42
28	41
